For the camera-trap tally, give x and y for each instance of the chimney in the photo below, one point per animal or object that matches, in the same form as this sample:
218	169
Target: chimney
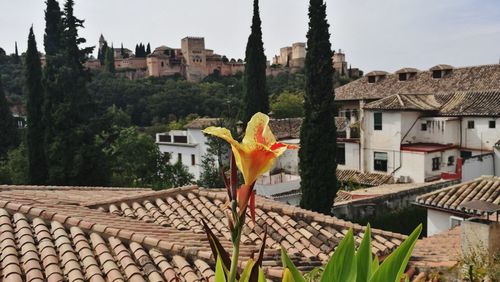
480	234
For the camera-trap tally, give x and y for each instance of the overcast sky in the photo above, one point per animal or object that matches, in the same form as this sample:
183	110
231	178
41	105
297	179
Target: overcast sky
375	34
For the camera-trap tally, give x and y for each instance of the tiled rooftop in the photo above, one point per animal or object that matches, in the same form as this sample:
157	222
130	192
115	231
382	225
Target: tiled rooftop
117	234
485	188
437	252
470	103
365	178
475	78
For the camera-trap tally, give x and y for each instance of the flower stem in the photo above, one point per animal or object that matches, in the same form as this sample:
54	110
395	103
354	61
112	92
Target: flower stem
234	259
235	238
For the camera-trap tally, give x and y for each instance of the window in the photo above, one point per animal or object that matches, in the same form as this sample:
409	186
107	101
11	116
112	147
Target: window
340	155
348	115
377	117
162	64
436	74
180	139
165	138
179	157
470	124
193	160
492	124
465	154
451	160
371	79
402	76
436	162
380	161
423	126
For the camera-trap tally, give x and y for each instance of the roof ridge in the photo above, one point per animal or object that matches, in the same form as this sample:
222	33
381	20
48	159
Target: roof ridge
170	191
66	187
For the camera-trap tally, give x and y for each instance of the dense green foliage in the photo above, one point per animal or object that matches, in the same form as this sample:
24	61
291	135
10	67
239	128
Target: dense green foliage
391	221
37	168
8	131
256	98
318	134
109	60
288	105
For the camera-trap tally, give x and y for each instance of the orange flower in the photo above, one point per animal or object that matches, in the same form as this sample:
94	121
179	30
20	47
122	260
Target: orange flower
255	155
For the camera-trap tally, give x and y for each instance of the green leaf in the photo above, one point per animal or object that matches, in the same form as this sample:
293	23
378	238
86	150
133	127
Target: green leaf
254	274
290	267
364	257
394	265
342	265
262	276
287	276
220	276
245	275
217	248
375	265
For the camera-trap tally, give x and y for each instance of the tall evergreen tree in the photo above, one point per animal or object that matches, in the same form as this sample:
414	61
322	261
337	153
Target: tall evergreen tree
122	51
53	28
8	130
109	60
255	93
16	55
148	49
318	133
102	53
37	168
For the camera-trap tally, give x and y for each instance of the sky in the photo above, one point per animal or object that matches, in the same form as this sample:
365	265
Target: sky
374	34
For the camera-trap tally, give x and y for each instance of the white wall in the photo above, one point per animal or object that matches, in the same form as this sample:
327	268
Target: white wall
351	156
413	164
444	167
439	130
475	167
481	137
437	222
497	162
289	160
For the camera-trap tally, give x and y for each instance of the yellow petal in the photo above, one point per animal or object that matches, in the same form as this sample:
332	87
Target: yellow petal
258	131
222	133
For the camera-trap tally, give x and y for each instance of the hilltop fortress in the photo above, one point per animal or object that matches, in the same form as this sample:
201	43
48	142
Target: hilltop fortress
194	62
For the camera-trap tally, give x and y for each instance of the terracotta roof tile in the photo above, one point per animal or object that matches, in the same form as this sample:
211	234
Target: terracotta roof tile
485	188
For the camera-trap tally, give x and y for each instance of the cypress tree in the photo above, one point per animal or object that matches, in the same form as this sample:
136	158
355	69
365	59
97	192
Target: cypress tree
102	53
8	130
318	133
136	50
255	95
122	51
148	49
53	28
16	54
109	60
37	169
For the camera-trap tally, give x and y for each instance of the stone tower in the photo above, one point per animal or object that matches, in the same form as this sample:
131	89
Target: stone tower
195	57
339	62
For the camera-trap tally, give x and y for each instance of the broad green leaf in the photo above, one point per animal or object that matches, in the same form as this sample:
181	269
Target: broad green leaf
342	264
287	276
374	265
394	265
364	257
254	274
217	248
262	276
219	271
245	275
288	264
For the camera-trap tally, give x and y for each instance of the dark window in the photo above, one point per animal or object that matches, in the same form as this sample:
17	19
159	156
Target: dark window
436	74
423	126
451	160
377	117
470	124
436	163
371	79
340	154
162	64
179	157
380	161
402	76
193	159
165	138
492	124
348	115
465	154
180	139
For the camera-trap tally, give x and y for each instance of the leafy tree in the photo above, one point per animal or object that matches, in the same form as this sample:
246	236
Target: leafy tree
211	175
8	130
255	94
35	136
288	105
318	134
171	175
109	60
17	165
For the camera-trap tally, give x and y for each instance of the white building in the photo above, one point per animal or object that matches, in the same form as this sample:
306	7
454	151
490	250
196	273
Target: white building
447	207
420	137
187	146
415	125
